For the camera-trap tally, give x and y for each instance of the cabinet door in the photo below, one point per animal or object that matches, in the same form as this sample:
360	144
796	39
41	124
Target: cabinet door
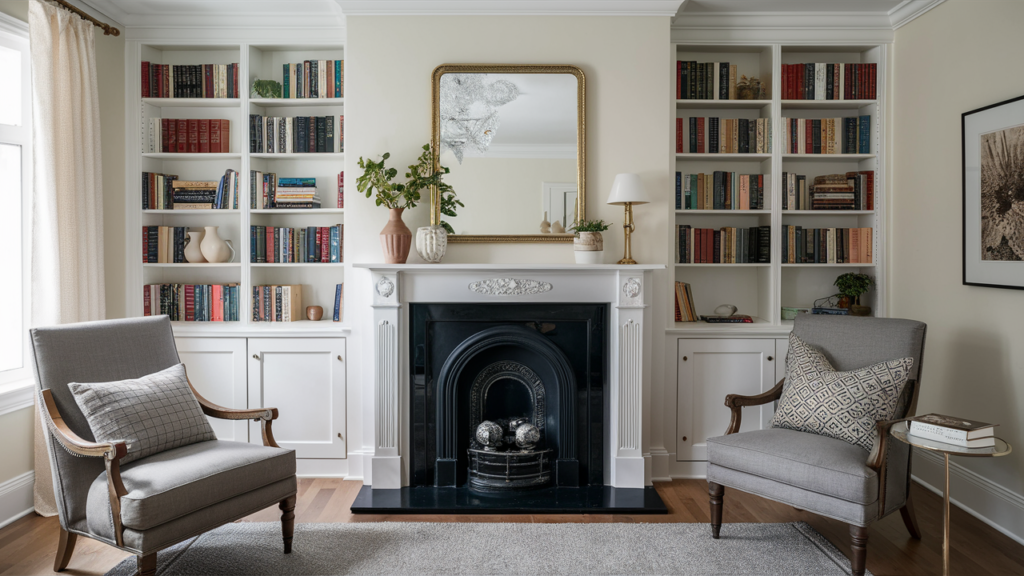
708	371
304	378
216	368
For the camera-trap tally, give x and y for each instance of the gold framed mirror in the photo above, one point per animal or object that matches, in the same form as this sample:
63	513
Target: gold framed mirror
514	139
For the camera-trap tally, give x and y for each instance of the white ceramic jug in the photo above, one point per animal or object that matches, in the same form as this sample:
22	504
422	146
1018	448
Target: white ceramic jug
214	248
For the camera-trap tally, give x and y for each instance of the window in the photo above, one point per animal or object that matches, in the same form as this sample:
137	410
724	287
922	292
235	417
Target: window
15	187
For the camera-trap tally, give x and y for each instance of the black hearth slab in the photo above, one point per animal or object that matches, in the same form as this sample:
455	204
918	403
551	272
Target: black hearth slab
586	500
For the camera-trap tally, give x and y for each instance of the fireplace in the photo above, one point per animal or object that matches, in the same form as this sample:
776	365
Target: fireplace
538	369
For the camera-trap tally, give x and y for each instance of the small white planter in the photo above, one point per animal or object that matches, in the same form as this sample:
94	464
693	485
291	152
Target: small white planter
588	247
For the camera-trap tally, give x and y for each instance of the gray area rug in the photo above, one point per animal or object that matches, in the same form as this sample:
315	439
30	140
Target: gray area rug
506	549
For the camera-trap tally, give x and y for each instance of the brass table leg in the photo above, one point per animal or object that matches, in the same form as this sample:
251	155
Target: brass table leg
945	523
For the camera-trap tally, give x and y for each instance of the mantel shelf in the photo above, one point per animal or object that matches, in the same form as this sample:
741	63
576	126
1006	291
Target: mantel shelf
291	102
567	268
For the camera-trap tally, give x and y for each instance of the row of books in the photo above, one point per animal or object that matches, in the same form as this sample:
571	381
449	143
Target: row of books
847	191
705	80
686	311
851	135
827	245
723	246
189	80
827	81
270	192
953	430
299	134
269	244
721	191
700	135
192	302
277	303
314	79
162	193
187	135
164	244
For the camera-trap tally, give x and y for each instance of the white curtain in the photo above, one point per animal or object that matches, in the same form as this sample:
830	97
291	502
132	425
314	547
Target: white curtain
67	201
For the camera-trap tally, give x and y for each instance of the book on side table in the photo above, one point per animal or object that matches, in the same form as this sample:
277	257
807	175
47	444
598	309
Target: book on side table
952	430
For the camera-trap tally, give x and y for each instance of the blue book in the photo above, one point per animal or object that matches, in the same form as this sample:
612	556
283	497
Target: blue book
311	234
337	79
694	193
286	82
337	302
687	193
679	190
864	134
335	243
296	182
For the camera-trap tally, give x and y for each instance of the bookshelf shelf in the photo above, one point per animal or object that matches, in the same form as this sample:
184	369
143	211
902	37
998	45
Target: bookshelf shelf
295	102
301	155
761	290
193	102
258	58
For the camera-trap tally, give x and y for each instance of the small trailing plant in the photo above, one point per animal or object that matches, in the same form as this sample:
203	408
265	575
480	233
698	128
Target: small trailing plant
853	285
377	180
448	204
267	88
589	226
421	176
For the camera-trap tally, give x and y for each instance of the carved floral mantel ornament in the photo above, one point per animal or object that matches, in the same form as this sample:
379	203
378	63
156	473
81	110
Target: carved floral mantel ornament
385	287
510	287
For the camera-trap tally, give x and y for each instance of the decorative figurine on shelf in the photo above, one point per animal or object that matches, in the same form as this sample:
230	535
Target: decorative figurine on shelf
726	310
750	89
314	313
489	434
545	226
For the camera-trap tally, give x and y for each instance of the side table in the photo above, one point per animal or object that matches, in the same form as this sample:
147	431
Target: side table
901	431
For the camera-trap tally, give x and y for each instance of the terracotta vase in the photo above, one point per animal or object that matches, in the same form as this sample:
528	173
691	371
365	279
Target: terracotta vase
396	238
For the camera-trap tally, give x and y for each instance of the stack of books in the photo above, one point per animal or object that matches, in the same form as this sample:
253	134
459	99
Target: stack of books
685	309
846	191
952	430
205	195
296	193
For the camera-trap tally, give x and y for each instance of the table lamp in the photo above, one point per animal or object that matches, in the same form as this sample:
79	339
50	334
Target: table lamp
627	189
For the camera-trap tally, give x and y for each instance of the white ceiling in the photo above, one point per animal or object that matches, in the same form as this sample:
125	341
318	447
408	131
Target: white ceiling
131	13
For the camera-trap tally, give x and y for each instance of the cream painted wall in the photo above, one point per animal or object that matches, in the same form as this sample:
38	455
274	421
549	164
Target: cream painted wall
503	195
973	365
627	64
16	430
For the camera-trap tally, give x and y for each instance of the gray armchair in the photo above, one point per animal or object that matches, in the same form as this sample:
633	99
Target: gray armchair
823	475
157	501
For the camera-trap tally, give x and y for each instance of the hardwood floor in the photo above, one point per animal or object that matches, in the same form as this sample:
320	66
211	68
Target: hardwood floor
28	545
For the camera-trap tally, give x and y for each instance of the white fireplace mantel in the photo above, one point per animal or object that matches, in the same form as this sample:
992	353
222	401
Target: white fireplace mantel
626	288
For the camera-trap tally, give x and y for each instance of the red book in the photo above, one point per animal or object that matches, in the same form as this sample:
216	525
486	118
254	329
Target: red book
152	190
679	135
193	135
870	177
182	136
785	82
835	82
208	81
145	80
217	303
204	136
167	81
341	189
798	78
147	309
312	134
679	79
270	244
165	134
145	243
234	81
225	135
873	91
316	250
809	136
700	136
215	136
190	303
325	244
341	133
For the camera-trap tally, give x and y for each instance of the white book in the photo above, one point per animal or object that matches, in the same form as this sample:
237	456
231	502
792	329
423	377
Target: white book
842	82
819	81
715	78
949	435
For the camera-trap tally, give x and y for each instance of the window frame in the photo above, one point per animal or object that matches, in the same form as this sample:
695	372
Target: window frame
14	35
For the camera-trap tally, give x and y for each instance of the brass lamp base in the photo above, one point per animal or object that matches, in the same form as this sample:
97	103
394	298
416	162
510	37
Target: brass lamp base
628	228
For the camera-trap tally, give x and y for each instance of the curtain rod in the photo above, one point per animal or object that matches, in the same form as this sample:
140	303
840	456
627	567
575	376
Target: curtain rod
108	30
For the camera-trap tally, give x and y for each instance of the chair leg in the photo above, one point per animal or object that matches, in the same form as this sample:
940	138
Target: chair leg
859	549
910	519
65	547
717	491
287	522
146	564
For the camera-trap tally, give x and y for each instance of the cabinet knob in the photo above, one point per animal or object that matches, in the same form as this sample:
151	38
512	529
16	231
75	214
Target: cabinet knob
685	358
339	358
770	358
684	438
341	437
255	356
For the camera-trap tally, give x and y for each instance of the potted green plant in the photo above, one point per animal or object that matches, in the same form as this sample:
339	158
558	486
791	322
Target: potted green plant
377	180
851	286
588	245
266	88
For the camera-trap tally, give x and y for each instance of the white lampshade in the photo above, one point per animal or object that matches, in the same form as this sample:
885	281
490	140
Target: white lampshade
628	188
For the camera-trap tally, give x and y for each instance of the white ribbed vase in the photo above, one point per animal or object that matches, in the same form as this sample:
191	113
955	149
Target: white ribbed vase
431	243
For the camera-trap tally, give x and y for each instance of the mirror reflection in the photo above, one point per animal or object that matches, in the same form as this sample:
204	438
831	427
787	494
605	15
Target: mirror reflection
510	141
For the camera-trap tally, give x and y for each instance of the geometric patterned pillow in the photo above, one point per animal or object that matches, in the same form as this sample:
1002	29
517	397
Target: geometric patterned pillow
841	405
151	414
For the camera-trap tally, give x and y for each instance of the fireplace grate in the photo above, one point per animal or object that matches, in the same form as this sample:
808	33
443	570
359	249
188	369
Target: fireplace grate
492	471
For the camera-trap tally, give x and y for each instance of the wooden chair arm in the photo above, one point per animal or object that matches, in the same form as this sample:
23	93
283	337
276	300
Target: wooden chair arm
264	415
111	451
736	402
878	458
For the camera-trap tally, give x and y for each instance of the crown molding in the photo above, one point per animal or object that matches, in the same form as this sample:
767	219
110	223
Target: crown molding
104	10
909	10
509	7
13	25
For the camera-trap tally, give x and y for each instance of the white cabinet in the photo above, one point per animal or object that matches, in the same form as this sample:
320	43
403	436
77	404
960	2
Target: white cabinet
216	368
708	370
304	378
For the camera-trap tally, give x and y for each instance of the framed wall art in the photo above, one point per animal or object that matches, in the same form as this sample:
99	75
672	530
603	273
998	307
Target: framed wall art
993	185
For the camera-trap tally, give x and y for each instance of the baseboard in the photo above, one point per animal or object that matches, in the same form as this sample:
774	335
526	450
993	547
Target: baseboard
16	497
980	497
660	465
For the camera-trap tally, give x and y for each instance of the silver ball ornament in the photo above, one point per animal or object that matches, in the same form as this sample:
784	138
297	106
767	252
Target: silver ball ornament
527	436
489	434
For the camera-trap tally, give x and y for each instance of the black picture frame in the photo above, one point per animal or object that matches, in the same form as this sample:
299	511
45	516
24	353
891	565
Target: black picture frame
1002	123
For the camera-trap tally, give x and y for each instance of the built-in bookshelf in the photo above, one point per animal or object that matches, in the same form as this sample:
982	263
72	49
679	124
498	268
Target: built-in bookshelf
761	289
146	153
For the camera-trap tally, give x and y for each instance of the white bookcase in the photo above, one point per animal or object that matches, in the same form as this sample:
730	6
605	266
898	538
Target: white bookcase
761	290
257	60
